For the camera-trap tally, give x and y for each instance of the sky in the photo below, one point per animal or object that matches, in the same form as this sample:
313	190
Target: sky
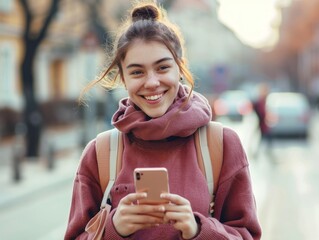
255	22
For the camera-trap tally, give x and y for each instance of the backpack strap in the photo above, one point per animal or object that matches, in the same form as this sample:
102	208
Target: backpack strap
109	148
215	145
209	149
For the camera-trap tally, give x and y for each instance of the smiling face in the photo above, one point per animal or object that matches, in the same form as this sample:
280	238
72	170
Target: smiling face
151	76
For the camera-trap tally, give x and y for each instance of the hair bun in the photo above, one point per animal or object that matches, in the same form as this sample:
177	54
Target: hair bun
146	12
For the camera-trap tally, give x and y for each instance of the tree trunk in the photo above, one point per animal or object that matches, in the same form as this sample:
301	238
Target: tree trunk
32	115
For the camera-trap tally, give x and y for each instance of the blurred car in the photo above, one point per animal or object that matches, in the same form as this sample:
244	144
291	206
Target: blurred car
287	114
232	104
234	109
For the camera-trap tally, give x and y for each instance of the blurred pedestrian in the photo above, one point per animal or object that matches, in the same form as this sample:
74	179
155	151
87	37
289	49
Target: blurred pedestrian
261	111
260	108
158	120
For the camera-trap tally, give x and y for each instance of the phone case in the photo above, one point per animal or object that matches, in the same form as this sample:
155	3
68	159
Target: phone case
153	181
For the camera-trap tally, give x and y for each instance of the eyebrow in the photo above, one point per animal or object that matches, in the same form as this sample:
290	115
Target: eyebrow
157	62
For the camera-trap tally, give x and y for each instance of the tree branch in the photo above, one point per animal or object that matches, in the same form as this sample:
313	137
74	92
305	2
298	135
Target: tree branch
52	11
28	19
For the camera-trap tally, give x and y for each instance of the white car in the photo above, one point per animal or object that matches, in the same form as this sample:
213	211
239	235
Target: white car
288	114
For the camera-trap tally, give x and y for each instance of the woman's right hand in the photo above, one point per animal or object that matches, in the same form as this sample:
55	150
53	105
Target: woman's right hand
130	217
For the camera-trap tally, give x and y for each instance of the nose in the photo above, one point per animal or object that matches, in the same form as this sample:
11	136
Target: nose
152	81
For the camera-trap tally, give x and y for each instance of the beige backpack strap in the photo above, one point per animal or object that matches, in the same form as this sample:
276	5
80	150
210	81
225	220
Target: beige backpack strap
209	150
109	148
215	146
199	153
102	147
206	158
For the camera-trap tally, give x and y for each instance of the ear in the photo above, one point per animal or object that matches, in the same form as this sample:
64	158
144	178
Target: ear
181	75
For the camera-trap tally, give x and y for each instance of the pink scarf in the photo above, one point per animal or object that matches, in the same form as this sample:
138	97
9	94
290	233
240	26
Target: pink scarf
177	121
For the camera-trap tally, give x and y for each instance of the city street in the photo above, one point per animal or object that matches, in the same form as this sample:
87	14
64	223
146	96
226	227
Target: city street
289	204
285	180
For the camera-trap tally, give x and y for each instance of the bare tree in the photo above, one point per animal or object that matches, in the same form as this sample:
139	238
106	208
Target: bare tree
31	43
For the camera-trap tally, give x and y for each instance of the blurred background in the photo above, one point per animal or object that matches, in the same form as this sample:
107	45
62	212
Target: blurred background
257	61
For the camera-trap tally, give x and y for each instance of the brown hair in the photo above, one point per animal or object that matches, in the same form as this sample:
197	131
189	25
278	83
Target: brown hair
147	22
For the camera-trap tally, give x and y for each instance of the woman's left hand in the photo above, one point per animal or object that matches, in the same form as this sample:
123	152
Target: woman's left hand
180	214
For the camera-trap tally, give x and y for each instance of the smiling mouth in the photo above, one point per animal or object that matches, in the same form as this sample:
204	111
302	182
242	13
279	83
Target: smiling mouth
153	97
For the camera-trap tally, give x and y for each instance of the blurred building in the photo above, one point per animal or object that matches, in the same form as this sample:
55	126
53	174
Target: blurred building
294	60
216	56
69	57
10	52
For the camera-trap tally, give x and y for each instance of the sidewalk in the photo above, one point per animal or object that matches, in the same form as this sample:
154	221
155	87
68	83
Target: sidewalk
36	176
260	172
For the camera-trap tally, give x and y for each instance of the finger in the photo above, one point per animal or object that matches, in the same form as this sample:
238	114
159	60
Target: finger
133	197
175	199
177	216
157	211
149	209
178	213
177	208
184	222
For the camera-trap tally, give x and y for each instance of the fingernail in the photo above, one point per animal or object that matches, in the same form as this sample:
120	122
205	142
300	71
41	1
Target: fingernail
163	195
161	208
144	194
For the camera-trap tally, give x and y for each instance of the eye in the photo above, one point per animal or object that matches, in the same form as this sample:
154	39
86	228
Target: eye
163	67
136	72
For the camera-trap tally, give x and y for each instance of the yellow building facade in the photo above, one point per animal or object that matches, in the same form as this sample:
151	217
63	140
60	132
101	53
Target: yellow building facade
62	65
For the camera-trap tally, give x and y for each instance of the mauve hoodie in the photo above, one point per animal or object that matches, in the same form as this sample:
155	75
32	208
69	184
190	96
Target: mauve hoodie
168	141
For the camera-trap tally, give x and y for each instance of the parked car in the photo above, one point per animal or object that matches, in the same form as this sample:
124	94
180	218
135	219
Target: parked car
234	109
288	114
232	104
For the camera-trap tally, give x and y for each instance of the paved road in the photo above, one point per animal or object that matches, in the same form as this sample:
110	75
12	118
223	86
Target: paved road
289	205
286	180
42	216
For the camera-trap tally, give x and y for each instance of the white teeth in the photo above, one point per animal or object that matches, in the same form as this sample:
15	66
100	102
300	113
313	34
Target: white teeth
154	97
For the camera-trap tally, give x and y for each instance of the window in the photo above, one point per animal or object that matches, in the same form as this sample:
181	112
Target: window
7	76
6	5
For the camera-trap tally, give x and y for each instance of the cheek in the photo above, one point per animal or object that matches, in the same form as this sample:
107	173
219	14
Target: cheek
132	87
176	81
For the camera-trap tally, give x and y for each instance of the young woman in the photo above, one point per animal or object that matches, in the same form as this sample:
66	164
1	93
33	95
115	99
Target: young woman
158	121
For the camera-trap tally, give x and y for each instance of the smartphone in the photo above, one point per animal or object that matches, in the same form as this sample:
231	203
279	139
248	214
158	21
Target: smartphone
153	181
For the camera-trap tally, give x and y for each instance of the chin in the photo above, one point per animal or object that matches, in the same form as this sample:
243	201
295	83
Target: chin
155	114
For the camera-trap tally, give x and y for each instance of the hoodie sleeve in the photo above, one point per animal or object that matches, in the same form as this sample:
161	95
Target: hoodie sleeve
86	199
235	215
